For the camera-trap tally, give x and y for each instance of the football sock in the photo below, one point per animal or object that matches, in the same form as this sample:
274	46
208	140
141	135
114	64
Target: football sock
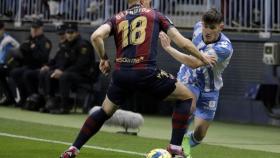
91	126
180	117
193	142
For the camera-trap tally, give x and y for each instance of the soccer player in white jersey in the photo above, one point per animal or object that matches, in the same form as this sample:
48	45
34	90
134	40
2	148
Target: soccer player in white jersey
204	81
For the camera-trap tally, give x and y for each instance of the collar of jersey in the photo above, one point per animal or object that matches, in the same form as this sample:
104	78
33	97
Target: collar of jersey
219	38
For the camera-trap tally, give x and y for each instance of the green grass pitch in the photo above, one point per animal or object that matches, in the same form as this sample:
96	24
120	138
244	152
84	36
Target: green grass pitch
18	147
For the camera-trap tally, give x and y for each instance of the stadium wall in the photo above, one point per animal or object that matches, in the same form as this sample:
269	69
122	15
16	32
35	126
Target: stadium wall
246	67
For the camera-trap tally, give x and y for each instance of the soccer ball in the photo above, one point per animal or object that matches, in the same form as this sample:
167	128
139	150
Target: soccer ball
158	153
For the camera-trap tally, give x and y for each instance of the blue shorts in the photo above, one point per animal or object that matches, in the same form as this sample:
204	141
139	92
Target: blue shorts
206	104
156	83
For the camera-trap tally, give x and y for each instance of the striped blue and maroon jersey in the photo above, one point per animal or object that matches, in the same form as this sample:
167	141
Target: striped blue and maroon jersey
136	32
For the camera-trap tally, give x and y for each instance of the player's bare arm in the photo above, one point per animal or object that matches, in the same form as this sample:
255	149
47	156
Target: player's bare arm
186	44
181	57
97	39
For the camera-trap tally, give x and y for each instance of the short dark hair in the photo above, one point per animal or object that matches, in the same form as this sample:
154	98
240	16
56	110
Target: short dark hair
212	16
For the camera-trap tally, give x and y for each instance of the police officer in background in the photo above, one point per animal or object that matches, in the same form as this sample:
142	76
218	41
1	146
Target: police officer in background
48	84
33	54
77	69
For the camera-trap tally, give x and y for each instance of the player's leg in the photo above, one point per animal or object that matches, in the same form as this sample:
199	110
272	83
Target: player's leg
91	126
181	115
94	122
115	97
185	144
200	129
183	92
204	114
164	86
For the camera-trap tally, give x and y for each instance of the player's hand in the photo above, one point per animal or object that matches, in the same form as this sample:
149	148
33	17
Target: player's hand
44	68
164	40
104	66
210	60
32	46
57	74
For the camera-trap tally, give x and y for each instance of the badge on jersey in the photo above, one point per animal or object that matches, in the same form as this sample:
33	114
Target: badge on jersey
83	50
212	105
47	45
163	74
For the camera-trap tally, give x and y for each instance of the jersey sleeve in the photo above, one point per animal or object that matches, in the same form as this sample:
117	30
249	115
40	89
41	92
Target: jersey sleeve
164	22
111	21
9	40
223	50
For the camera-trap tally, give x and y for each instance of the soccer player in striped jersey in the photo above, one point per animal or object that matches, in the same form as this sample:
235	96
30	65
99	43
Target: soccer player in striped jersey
136	31
203	80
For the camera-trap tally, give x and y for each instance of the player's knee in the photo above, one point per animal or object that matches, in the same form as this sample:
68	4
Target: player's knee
191	95
192	99
187	94
183	107
109	107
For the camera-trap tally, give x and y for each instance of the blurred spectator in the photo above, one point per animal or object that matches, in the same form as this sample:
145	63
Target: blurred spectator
7	43
94	6
77	69
245	13
8	9
48	84
71	9
44	8
170	6
38	9
54	8
33	54
96	10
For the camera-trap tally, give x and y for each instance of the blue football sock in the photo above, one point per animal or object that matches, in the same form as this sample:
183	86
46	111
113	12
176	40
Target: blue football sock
193	141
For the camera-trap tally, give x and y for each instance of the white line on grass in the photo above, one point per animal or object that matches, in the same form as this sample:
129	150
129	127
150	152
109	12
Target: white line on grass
67	143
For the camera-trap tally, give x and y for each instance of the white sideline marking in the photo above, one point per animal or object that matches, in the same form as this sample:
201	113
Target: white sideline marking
67	143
